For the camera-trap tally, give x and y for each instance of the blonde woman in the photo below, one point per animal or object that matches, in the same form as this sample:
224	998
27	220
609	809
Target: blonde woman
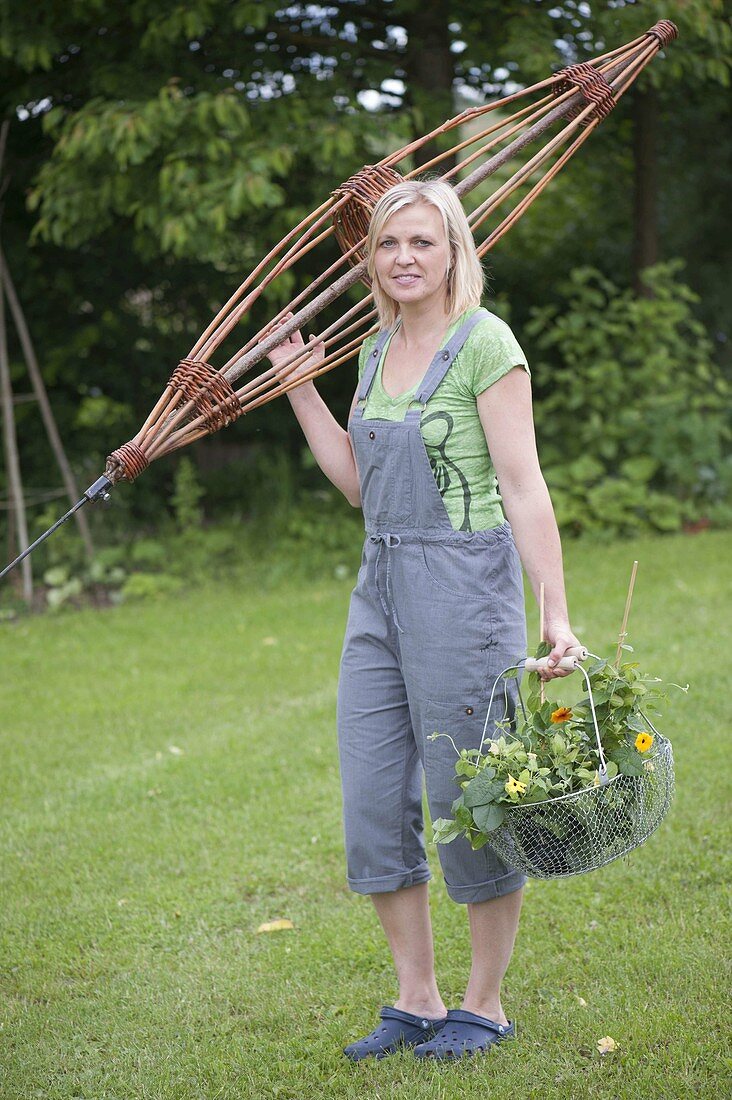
441	417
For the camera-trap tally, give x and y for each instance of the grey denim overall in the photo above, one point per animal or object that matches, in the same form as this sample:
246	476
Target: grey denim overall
435	615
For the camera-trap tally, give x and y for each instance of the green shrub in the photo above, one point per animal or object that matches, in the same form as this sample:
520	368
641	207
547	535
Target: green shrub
144	586
632	414
187	493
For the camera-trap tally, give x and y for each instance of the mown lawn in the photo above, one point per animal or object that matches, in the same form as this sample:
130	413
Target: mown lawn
169	782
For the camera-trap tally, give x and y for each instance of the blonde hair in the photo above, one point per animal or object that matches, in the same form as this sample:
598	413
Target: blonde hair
464	272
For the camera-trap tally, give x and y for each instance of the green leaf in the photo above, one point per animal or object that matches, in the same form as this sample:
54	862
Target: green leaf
445	830
488	818
628	760
536	794
480	791
465	767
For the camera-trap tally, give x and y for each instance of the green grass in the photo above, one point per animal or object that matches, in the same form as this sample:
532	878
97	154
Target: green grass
134	877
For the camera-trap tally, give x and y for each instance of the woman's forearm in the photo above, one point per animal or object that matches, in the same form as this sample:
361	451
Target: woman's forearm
327	440
530	513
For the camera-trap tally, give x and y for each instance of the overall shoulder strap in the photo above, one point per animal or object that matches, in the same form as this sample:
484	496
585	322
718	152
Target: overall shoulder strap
442	361
369	371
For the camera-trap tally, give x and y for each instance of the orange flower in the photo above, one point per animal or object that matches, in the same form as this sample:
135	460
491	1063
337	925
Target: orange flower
562	714
643	742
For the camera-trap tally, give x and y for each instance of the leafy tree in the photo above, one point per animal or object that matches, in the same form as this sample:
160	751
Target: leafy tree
157	150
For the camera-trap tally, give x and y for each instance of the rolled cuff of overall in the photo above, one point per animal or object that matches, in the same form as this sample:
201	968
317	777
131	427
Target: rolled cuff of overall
485	891
387	883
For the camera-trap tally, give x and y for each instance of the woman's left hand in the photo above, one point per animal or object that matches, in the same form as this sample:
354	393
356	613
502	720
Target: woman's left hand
561	637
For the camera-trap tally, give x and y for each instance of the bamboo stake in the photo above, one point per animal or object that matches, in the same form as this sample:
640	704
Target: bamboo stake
623	631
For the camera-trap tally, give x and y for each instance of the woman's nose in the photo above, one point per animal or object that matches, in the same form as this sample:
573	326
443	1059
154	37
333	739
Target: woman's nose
405	255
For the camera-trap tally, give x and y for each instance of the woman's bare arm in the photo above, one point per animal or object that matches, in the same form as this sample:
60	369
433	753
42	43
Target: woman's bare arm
506	415
329	442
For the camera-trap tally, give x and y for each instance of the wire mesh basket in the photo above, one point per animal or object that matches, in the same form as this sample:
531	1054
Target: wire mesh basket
579	832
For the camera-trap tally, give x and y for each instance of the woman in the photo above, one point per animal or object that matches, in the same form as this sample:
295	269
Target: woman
442	412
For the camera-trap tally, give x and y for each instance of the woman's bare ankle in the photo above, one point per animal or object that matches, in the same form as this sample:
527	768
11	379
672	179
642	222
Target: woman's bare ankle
492	1010
429	1005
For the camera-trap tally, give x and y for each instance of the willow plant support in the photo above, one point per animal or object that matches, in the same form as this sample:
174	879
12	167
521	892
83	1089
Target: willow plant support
535	131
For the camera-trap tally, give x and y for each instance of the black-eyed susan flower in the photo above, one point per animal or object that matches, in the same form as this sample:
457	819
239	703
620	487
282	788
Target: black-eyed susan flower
561	714
514	787
643	742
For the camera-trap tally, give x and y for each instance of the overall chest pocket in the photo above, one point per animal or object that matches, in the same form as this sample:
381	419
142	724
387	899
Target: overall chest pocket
386	474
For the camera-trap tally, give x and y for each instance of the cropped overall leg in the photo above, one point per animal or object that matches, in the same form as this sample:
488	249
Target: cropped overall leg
381	771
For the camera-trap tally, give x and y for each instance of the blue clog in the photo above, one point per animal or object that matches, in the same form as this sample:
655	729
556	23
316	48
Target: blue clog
464	1034
399	1029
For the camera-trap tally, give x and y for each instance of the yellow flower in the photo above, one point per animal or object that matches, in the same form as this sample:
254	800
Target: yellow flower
514	787
643	742
562	714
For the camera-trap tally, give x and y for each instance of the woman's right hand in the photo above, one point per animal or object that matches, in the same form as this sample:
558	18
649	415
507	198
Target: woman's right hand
291	344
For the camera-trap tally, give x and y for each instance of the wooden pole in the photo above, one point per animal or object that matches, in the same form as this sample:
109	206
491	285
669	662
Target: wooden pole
12	462
623	631
43	403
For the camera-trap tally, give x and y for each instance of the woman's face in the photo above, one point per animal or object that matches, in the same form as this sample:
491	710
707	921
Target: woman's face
412	255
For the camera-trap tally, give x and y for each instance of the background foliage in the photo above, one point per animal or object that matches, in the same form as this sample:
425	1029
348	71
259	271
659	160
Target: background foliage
156	150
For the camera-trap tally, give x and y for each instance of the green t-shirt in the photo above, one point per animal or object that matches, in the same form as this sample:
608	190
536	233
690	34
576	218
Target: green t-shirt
451	429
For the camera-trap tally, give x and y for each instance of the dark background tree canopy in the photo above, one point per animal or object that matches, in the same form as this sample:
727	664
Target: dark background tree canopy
157	150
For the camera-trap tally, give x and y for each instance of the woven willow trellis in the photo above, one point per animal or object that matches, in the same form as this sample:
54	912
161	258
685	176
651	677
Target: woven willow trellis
200	398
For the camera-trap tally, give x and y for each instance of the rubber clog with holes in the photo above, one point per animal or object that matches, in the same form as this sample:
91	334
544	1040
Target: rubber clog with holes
465	1034
398	1030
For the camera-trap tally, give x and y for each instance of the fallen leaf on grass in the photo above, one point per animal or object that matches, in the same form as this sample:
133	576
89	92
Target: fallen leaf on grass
581	1001
175	750
606	1045
275	926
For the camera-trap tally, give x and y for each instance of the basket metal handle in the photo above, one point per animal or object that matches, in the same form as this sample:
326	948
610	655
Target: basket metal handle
574	656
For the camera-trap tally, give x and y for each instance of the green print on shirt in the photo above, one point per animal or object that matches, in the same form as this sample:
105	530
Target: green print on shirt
465	477
441	465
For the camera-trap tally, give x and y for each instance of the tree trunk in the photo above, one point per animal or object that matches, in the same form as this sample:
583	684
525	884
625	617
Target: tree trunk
645	185
429	67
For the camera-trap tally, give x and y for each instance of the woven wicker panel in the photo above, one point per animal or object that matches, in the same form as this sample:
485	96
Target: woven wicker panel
351	222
